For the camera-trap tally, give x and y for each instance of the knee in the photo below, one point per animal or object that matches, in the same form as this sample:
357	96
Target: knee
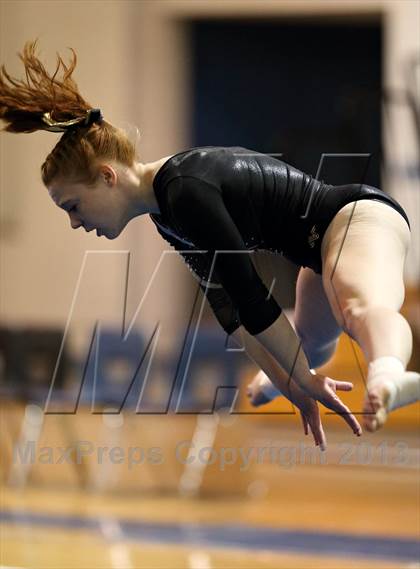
352	305
352	312
318	356
356	313
317	350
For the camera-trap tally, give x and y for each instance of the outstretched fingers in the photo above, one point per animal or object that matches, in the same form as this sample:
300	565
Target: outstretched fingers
343	385
318	433
305	424
314	423
333	402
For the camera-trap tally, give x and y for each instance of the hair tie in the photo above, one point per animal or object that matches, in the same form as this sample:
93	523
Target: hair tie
92	116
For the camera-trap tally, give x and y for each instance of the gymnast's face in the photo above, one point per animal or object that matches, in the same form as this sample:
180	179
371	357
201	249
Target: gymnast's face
103	207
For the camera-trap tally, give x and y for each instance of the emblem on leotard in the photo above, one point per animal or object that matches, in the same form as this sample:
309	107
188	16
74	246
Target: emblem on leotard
313	236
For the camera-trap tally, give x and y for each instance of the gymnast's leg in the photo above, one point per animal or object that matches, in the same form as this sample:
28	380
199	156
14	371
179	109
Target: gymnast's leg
363	252
314	323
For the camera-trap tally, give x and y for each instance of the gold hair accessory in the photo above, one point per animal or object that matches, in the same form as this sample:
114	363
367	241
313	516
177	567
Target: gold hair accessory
92	115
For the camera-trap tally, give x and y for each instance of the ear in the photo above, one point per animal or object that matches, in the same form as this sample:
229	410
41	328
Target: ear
108	175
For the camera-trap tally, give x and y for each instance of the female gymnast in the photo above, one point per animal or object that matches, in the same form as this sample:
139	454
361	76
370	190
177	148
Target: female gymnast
217	206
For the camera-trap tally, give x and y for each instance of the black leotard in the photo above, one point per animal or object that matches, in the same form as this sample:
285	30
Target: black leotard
238	200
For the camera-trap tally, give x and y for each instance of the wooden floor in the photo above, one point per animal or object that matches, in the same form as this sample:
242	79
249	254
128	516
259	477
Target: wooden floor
286	513
53	548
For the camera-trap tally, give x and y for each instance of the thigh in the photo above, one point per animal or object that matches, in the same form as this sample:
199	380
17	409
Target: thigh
363	253
314	319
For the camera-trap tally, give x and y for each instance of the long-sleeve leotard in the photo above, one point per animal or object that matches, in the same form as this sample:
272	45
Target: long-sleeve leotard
233	201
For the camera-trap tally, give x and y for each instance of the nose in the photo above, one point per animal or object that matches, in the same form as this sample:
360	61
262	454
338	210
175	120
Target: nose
74	221
75	224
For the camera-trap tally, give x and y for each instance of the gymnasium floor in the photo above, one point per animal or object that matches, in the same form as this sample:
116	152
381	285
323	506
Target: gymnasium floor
353	510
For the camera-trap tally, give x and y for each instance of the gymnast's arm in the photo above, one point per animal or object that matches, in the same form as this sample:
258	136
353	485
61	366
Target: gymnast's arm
200	212
200	264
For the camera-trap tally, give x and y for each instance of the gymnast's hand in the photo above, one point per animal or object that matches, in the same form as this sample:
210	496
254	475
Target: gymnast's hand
309	413
323	389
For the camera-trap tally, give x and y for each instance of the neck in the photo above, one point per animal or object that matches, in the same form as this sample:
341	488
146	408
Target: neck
144	197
